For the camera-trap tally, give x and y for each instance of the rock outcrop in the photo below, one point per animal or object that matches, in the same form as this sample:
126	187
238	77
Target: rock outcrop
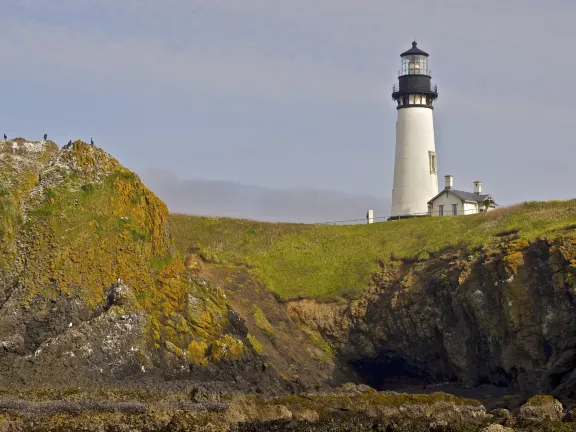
503	316
91	286
94	294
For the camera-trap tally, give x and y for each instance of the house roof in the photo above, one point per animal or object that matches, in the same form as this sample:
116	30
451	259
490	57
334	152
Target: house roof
466	196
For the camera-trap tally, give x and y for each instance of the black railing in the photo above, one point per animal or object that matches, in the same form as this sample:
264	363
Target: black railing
396	89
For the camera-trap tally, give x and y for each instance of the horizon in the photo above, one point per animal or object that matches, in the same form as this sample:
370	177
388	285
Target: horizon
265	112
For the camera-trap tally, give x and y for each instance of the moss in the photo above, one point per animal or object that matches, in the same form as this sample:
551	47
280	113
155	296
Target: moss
262	322
256	344
226	348
540	400
322	344
517	304
513	261
91	223
197	353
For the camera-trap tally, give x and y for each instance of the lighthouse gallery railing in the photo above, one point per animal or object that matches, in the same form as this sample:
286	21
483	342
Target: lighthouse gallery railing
396	89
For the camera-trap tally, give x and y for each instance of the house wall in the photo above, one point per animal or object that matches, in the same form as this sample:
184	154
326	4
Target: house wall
446	200
470	208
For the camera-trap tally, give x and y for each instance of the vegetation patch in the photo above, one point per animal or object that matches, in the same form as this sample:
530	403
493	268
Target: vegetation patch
330	262
262	322
256	344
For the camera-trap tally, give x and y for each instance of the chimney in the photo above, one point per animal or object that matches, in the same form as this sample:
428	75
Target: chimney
478	187
449	182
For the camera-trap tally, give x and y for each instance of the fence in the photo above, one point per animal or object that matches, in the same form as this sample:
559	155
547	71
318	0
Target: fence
443	212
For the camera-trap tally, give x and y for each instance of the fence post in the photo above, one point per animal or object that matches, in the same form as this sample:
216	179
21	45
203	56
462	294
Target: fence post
370	216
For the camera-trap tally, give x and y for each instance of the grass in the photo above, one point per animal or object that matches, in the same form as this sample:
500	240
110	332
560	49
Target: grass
256	344
262	322
328	262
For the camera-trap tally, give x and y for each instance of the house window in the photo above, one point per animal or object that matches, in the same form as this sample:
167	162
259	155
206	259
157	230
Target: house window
441	210
432	161
454	209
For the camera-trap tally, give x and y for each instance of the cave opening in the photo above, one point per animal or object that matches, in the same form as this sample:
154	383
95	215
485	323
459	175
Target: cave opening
395	373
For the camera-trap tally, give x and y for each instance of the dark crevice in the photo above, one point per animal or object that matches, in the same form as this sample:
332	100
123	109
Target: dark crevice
386	373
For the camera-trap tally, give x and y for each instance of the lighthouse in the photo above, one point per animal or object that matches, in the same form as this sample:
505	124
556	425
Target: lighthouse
415	170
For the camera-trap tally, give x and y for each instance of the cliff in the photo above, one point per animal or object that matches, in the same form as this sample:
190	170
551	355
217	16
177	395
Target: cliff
474	301
102	289
93	289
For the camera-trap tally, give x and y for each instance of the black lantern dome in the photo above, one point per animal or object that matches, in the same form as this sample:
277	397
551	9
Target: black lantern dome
414	51
414	88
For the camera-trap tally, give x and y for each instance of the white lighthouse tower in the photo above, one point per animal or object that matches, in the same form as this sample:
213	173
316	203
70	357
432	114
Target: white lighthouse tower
415	172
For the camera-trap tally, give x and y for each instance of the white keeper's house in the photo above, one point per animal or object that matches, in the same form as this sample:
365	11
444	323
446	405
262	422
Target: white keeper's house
452	202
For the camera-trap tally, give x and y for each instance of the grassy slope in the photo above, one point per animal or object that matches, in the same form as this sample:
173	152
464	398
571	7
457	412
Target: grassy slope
327	262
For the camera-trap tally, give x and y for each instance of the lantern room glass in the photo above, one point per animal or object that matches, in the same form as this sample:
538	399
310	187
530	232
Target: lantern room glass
414	65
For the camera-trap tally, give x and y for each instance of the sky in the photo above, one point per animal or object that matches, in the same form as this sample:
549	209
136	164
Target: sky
282	110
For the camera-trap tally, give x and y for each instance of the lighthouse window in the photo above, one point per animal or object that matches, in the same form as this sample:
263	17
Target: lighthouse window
415	65
411	99
432	161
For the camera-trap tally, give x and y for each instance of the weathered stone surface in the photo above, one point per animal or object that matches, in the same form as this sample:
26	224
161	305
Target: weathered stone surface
502	417
540	409
497	428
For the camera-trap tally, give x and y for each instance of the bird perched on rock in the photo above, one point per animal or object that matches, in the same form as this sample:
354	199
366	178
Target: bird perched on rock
91	141
45	137
5	137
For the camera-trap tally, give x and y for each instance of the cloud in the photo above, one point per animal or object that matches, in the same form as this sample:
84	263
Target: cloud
220	198
204	64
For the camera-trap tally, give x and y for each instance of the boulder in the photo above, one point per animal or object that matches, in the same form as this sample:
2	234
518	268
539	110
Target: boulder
502	417
570	416
540	409
497	428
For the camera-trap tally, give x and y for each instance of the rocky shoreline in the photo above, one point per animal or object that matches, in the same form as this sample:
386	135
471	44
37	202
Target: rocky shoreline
349	408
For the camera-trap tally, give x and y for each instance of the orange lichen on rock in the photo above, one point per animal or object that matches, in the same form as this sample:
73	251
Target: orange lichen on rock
82	224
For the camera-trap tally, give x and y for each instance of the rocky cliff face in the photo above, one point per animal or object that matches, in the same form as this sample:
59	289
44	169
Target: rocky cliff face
502	316
91	286
93	291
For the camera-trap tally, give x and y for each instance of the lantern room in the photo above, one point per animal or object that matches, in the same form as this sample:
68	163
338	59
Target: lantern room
414	62
414	88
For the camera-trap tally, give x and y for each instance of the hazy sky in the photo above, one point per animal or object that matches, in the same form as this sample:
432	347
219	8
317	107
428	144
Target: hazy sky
293	97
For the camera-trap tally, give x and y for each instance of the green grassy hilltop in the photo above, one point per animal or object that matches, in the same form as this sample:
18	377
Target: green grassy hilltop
327	262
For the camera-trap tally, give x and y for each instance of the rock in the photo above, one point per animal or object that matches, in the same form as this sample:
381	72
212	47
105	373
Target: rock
14	344
502	416
306	415
570	416
497	428
354	389
363	388
540	409
122	295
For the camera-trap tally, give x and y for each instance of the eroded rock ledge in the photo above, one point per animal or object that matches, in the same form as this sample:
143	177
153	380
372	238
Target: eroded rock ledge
351	408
